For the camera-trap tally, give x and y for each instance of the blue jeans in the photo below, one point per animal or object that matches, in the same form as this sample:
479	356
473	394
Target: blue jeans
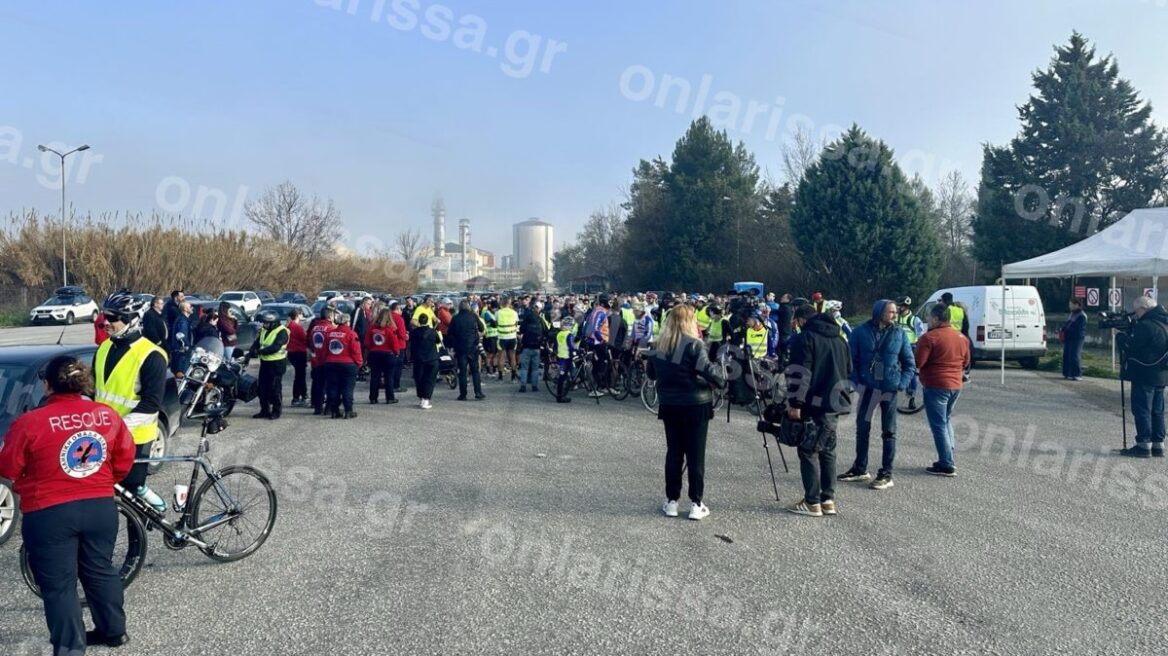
529	367
870	399
939	405
1073	358
1147	404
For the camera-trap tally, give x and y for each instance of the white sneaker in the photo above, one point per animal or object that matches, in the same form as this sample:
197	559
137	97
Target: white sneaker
669	508
698	511
426	405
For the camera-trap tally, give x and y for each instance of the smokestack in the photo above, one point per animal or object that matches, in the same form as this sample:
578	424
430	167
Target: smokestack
464	240
438	211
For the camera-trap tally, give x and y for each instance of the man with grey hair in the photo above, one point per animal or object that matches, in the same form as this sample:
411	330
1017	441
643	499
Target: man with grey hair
1145	364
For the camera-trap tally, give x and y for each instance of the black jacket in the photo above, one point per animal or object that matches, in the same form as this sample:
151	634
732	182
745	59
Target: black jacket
424	344
463	335
531	331
685	375
1144	352
785	315
154	327
204	330
820	366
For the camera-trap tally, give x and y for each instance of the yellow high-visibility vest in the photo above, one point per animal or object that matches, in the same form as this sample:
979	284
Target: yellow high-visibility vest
703	318
757	341
122	391
562	345
267	338
508	323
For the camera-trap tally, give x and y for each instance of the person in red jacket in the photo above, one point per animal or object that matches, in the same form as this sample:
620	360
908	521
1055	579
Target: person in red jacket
318	330
401	340
298	357
63	460
99	332
381	348
342	358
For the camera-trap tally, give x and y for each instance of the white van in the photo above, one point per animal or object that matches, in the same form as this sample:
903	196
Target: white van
1025	329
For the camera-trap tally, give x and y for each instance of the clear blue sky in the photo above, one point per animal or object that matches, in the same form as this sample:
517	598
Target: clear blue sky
380	112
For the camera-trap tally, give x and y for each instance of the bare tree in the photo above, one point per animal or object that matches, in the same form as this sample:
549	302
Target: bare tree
601	239
309	227
955	206
409	247
798	154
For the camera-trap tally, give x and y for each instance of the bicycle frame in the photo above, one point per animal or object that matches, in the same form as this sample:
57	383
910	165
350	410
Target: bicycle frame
179	531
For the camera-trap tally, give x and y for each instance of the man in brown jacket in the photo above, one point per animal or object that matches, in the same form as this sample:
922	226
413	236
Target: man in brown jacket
942	357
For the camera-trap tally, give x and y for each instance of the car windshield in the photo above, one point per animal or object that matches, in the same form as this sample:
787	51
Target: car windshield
231	296
61	300
280	310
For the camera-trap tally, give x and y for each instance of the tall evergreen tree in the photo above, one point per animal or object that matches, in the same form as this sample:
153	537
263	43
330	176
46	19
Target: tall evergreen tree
1087	154
860	225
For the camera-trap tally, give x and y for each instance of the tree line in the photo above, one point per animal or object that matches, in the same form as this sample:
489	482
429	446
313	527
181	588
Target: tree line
847	220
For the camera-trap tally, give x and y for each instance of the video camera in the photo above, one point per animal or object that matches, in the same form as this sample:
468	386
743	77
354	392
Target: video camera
1121	321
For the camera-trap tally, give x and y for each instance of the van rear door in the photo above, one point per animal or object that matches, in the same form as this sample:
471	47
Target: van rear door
1027	319
995	332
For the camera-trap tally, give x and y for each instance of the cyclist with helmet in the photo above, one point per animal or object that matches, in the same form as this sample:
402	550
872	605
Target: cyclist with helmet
834	309
130	377
271	346
913	328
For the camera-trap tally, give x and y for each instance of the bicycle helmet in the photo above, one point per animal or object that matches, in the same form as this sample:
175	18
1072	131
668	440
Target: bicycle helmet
124	307
833	306
268	318
904	301
604	300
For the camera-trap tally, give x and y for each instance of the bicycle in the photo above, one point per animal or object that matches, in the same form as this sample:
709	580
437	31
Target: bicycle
219	511
580	374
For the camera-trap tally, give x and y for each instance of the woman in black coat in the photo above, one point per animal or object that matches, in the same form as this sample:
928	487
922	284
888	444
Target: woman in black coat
424	353
684	376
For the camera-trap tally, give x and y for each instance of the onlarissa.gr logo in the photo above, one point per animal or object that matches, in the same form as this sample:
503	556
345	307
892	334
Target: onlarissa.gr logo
82	454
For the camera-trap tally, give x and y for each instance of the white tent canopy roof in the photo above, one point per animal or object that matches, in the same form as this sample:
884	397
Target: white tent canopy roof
1135	246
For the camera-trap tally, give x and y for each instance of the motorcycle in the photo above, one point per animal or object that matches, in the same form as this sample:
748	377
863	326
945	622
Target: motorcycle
213	380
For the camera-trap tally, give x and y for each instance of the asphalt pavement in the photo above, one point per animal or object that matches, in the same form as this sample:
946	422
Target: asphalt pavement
519	526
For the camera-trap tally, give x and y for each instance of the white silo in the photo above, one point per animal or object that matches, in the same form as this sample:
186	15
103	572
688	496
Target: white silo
533	247
438	212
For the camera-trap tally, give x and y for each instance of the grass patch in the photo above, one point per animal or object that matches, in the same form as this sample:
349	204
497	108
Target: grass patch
1096	363
13	317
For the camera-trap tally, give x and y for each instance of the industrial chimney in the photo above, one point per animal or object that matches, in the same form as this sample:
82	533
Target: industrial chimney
464	242
438	211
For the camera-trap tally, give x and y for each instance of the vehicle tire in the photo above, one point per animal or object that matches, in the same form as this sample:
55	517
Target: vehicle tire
9	511
129	551
618	380
69	319
1029	363
250	504
228	407
649	395
158	448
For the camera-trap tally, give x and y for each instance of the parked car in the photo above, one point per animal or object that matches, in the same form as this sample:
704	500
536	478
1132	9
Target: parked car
68	305
200	296
344	306
282	310
1023	333
327	294
266	297
249	302
248	329
292	297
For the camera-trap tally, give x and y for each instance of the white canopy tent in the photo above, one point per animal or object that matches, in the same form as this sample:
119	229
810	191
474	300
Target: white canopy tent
1135	246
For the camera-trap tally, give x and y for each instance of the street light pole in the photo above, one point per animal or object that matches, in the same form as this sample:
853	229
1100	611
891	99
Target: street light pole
45	149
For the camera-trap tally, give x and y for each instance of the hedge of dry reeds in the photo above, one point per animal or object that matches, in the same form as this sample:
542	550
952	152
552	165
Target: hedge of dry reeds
157	255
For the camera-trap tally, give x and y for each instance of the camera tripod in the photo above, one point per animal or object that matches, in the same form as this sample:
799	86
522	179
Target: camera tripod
746	351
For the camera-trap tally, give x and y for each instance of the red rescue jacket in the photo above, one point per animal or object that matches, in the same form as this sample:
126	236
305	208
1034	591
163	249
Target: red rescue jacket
297	338
380	339
341	346
316	341
71	449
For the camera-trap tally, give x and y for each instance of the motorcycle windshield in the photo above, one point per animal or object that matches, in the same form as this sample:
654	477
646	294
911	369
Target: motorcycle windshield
212	345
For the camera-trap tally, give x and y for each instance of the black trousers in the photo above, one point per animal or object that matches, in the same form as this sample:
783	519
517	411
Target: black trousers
381	374
817	466
319	382
68	542
396	365
425	375
685	442
299	362
137	476
469	361
271	392
342	378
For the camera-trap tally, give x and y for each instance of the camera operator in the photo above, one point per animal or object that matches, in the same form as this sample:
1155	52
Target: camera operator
1146	366
816	381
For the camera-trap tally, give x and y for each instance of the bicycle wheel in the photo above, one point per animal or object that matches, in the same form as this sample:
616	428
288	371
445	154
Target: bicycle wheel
649	395
234	513
618	381
9	511
129	553
551	373
909	404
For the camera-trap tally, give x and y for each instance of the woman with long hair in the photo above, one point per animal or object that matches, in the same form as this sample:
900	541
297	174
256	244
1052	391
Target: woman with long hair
684	376
63	459
381	349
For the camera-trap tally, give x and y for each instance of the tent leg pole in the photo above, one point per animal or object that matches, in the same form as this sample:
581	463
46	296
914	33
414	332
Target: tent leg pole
1112	308
1003	319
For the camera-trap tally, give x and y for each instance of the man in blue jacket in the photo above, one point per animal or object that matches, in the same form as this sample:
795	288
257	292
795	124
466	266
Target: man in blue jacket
882	365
